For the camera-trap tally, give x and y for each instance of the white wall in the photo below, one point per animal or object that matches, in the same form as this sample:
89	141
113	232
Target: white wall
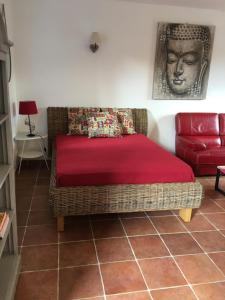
12	85
55	66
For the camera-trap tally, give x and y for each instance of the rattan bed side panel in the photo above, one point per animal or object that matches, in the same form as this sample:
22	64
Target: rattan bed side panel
140	120
82	200
57	123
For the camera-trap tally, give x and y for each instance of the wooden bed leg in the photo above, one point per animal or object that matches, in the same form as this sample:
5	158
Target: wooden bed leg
60	223
185	214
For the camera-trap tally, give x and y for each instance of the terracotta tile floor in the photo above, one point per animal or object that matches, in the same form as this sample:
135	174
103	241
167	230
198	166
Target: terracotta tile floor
128	256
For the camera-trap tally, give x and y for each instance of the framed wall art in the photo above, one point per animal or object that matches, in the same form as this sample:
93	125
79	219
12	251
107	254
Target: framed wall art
182	61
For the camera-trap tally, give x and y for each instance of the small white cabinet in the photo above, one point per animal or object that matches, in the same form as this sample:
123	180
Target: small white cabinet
26	152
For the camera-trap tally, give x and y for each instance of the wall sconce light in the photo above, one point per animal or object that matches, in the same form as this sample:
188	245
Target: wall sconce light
94	41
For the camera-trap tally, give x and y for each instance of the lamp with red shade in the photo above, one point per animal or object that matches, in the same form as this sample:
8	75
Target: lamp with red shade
28	108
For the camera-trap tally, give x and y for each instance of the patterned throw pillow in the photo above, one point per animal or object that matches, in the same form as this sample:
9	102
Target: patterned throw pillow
103	124
77	120
125	118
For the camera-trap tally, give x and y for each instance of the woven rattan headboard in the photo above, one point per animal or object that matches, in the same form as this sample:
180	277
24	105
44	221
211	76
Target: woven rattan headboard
58	122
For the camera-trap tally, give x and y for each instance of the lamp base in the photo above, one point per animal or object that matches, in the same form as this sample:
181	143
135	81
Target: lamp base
30	135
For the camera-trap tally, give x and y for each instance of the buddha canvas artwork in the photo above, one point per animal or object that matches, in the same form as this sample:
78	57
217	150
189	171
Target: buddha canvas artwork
183	55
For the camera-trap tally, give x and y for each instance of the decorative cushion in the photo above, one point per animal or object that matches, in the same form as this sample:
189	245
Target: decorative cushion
103	124
77	120
125	118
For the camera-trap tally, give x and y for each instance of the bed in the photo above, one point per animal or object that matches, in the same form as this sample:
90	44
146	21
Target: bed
123	183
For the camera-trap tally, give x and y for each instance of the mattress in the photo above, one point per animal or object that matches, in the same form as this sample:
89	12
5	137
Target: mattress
131	159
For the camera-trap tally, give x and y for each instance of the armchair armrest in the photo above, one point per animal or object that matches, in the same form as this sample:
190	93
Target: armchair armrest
190	143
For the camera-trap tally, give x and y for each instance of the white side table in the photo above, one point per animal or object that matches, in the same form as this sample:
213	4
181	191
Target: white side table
22	137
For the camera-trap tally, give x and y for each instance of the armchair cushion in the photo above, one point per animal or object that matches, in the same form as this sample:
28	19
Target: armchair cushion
200	141
206	157
199	124
190	143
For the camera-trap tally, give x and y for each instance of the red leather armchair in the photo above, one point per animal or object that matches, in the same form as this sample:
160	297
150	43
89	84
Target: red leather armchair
200	141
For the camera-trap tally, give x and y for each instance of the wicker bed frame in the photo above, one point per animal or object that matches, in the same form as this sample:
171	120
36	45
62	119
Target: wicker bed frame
84	200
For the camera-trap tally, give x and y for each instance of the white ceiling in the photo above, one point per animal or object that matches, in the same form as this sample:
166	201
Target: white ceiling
205	4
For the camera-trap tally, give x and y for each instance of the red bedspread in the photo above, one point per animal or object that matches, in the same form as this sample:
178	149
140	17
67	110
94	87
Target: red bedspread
132	159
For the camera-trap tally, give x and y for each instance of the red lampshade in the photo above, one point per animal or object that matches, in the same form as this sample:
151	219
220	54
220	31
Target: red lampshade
28	107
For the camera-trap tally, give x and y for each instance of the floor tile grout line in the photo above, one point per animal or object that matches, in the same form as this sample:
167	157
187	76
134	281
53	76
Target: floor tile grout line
156	289
187	285
214	201
116	294
116	237
28	216
87	265
210	282
62	268
223	234
41	245
128	293
88	298
170	287
120	261
114	262
84	221
205	217
123	237
136	260
214	252
148	289
174	259
98	262
204	252
35	271
111	262
212	223
211	212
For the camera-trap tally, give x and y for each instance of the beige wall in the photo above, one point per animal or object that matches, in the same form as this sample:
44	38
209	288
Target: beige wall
54	65
12	85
